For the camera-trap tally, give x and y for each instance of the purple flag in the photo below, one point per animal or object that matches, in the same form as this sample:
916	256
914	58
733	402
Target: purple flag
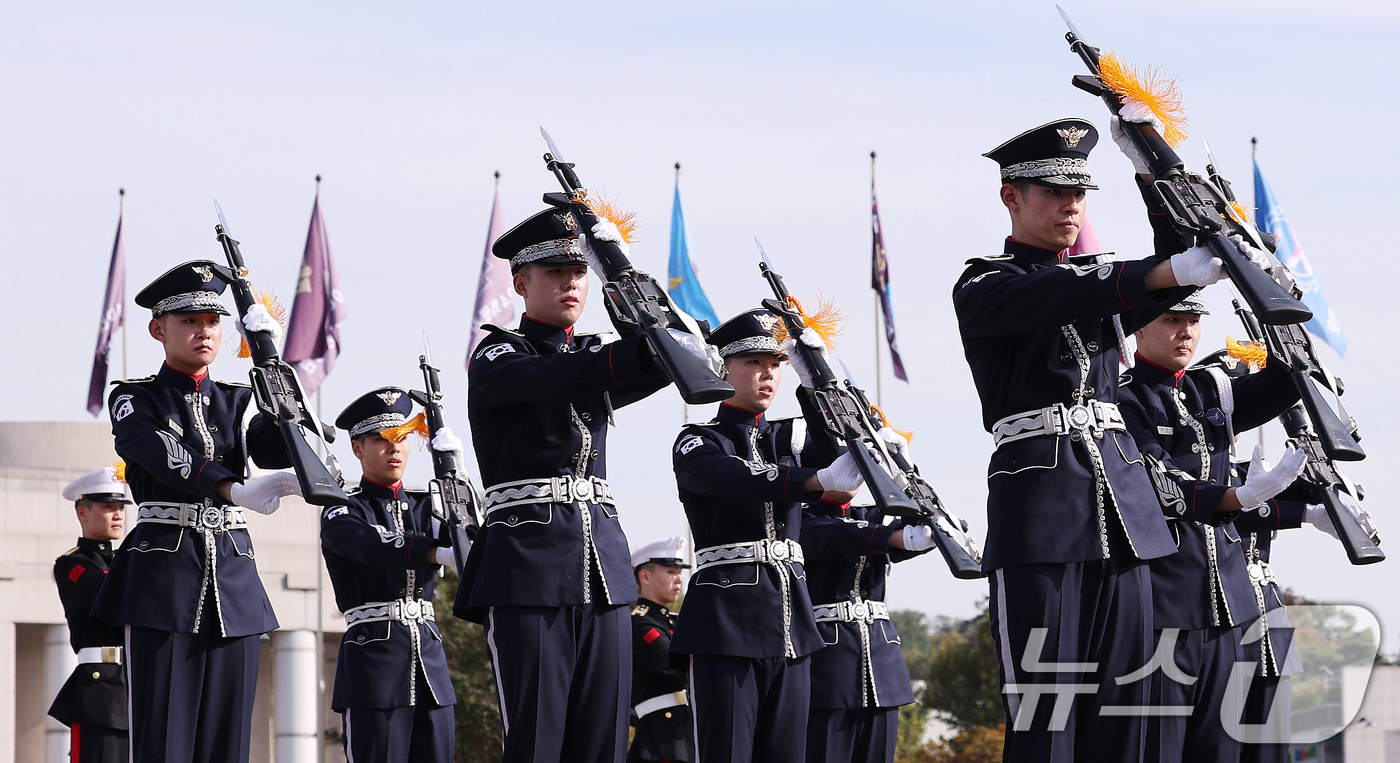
880	278
313	335
494	292
113	315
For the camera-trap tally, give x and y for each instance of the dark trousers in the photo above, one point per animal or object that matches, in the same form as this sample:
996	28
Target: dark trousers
1271	697
1064	633
398	735
191	696
750	709
1189	726
563	680
865	735
97	744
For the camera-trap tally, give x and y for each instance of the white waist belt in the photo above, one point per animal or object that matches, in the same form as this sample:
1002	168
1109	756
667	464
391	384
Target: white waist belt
196	515
769	551
548	490
857	611
405	611
661	703
1058	419
94	654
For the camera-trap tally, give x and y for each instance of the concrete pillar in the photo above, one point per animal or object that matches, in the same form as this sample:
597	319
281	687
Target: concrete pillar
294	725
59	662
7	692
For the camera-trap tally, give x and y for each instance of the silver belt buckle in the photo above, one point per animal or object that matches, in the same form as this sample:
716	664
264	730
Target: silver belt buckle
777	551
1256	572
410	611
1079	417
582	489
212	518
859	611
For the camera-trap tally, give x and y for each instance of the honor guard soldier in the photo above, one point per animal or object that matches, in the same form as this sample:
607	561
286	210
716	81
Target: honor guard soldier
549	572
392	685
184	584
92	702
747	623
660	700
1185	420
1072	515
859	679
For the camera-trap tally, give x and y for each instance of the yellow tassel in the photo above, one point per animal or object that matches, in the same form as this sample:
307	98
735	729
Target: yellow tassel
416	425
274	308
1241	213
119	470
626	222
1160	94
826	321
885	422
1254	353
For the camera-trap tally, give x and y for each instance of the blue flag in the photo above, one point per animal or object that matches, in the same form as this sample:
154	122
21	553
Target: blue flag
1324	324
684	287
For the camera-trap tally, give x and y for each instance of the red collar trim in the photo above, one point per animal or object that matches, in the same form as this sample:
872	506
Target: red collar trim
568	330
394	487
196	377
757	417
1059	256
1177	375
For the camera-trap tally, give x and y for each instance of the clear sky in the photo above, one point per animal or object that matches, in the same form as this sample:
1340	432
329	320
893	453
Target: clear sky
772	108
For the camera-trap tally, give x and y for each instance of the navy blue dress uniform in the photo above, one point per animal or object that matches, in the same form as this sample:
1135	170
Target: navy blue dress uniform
663	726
1185	424
392	684
859	679
1071	513
548	574
92	702
747	622
184	582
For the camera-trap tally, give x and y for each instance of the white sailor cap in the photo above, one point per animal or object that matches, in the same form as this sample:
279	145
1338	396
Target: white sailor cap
98	485
670	552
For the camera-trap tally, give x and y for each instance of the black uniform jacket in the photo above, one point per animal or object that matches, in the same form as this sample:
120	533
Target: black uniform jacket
180	437
740	478
1038	331
848	558
539	401
1184	423
663	734
378	550
95	694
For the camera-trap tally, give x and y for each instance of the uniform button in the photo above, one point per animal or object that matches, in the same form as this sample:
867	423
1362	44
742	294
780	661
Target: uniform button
724	581
1211	448
1064	357
1092	346
360	639
1199	414
1195	447
144	544
96	675
206	399
512	519
668	713
593	456
563	348
401	591
1089	391
586	416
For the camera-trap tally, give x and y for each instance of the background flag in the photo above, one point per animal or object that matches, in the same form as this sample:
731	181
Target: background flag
1088	241
685	287
494	290
313	334
113	315
880	277
1324	324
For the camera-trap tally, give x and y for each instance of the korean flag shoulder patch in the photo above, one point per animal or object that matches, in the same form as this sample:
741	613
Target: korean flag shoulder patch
688	444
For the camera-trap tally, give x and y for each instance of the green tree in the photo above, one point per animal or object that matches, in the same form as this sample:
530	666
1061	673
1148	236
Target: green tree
477	715
963	682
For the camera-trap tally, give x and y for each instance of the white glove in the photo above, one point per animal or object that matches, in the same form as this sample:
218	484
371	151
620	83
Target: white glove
1136	112
1263	483
1316	515
895	442
799	365
264	494
259	319
1255	254
445	557
446	441
606	230
918	538
841	475
1197	267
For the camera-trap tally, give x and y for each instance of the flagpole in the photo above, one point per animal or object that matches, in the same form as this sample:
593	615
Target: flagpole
1254	157
879	395
320	568
121	221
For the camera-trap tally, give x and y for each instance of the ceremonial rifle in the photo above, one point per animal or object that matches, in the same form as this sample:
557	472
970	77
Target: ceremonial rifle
277	389
959	549
636	301
1193	203
1358	535
846	417
452	496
